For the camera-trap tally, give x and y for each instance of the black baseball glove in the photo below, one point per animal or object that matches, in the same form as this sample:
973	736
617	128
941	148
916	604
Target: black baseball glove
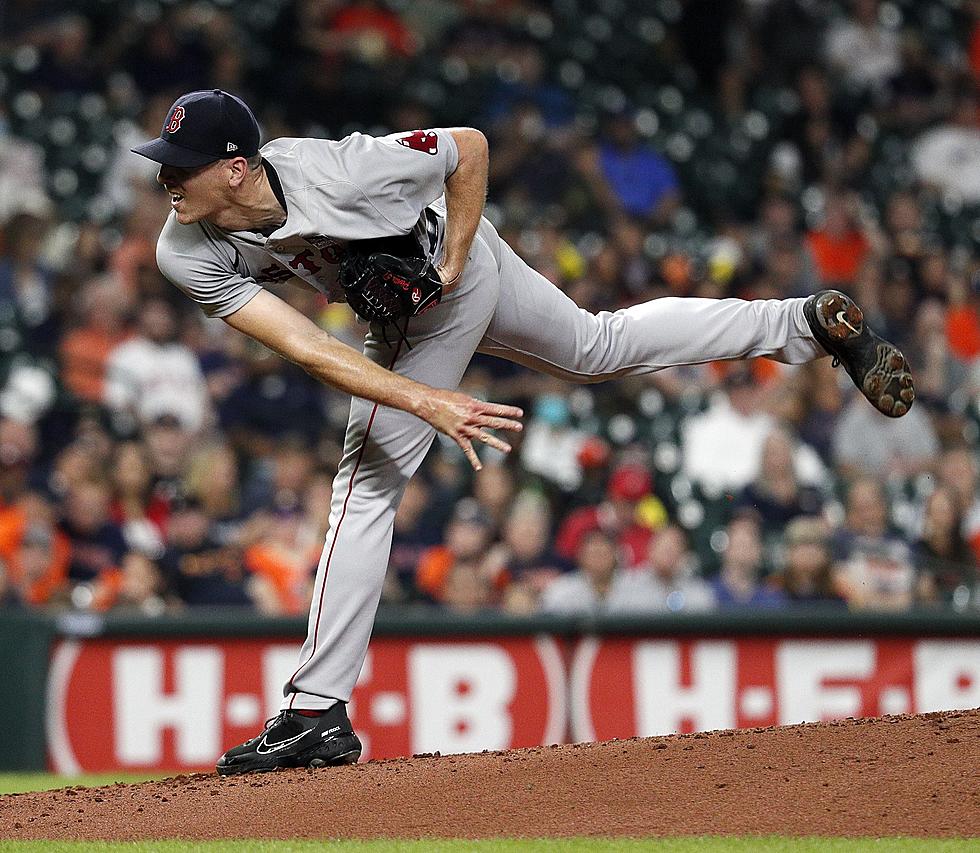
383	288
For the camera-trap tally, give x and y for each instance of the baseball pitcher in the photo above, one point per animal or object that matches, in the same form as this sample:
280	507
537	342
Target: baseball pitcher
394	226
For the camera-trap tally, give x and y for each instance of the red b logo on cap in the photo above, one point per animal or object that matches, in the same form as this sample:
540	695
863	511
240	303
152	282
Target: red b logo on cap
174	124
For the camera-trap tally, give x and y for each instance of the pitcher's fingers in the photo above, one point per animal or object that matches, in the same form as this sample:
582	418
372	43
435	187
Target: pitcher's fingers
501	410
493	441
501	423
470	453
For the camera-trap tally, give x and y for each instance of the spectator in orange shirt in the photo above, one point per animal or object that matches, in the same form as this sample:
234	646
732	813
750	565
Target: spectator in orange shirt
104	305
962	317
963	331
286	561
468	535
133	261
35	552
839	245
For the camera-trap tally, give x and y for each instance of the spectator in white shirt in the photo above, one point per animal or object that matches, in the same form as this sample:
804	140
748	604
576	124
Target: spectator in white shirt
723	446
153	374
668	582
594	585
948	156
863	49
875	445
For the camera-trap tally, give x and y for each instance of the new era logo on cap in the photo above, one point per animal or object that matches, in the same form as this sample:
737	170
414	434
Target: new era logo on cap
202	127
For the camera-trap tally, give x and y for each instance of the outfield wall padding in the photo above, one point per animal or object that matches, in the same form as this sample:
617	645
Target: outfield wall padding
118	692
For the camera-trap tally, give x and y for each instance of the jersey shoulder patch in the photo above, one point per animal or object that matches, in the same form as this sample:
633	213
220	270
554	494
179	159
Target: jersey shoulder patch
420	140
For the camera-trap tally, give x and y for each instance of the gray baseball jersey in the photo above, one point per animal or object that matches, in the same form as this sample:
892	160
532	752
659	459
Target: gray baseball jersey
362	187
357	188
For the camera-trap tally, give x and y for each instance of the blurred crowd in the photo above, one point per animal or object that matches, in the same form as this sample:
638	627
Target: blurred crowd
152	460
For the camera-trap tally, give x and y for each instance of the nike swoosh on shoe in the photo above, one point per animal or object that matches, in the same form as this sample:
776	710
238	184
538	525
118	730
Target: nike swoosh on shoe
281	744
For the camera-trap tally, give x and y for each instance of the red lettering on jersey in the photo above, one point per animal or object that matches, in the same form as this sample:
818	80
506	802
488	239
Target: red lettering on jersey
332	253
420	140
330	250
305	260
174	124
275	274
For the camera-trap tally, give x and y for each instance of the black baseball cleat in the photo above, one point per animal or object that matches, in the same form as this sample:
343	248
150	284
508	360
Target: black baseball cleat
877	367
294	740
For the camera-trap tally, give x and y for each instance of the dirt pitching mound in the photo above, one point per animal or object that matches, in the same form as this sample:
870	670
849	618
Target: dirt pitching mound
904	775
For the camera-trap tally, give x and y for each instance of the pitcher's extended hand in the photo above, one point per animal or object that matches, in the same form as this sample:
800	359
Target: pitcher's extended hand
465	420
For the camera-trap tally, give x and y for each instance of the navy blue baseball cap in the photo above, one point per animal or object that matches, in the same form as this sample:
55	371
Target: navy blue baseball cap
202	127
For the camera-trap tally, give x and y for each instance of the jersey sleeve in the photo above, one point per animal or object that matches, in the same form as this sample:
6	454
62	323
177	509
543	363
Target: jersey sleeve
381	184
203	268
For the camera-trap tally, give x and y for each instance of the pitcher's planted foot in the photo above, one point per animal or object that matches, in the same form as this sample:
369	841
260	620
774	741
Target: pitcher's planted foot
293	739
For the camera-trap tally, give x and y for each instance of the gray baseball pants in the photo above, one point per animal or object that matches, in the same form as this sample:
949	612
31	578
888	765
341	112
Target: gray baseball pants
504	308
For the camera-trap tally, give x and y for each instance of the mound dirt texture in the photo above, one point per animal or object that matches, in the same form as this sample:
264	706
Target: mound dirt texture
917	776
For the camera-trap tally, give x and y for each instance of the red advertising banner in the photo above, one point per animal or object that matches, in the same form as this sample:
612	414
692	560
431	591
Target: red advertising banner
178	704
628	687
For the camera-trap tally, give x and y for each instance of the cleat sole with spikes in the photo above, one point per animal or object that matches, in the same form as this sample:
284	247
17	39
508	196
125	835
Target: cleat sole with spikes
877	367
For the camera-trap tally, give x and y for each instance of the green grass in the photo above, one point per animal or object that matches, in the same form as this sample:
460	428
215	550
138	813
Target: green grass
712	844
15	783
